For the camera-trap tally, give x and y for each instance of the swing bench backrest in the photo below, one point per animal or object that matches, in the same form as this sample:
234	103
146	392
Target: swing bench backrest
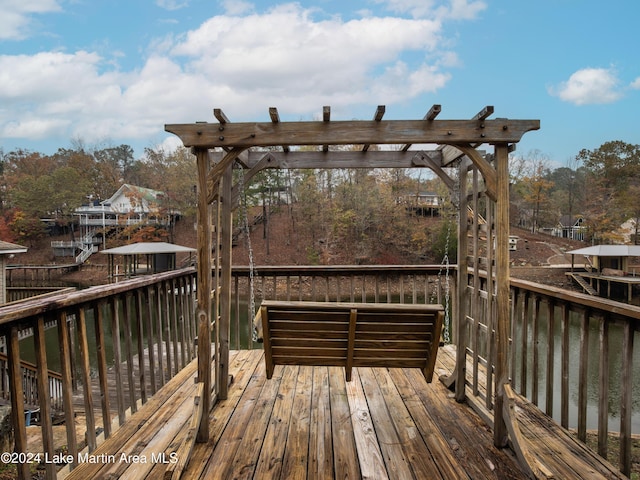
350	335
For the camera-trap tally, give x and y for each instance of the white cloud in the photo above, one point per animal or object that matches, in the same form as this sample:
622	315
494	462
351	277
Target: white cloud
443	9
295	62
289	60
17	16
237	7
636	84
172	4
589	86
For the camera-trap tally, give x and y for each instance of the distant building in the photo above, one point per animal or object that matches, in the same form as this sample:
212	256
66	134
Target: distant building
7	250
143	258
423	203
629	231
570	226
129	205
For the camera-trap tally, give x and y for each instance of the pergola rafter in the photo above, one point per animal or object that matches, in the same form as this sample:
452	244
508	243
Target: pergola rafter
218	146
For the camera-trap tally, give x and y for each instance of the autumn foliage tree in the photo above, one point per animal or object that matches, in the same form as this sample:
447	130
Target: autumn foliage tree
614	180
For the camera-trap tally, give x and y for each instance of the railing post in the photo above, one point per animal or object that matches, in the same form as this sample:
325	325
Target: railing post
44	396
101	355
86	379
67	384
17	399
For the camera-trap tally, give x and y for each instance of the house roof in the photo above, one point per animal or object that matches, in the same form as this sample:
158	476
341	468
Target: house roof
7	248
147	248
148	194
570	220
608	251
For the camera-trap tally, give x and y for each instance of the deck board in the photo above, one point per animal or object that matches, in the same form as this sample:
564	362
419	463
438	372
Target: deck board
308	422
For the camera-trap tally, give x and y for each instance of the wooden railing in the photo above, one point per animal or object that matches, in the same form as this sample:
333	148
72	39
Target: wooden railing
18	294
581	375
372	283
117	343
30	385
571	354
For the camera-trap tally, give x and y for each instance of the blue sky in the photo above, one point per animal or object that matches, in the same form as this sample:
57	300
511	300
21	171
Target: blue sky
107	72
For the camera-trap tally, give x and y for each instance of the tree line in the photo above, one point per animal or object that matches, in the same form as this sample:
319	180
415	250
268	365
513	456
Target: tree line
601	186
359	213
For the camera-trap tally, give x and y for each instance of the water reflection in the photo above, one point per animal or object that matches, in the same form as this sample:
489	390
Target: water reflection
614	390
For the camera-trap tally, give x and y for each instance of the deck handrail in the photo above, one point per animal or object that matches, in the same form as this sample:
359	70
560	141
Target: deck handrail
542	366
118	344
164	304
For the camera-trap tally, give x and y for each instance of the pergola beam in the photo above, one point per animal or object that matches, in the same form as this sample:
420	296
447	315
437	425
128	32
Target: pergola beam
484	113
449	132
326	117
377	117
431	115
335	159
275	118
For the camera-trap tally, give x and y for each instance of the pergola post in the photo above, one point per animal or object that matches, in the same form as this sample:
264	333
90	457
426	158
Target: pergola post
500	433
226	231
462	286
203	293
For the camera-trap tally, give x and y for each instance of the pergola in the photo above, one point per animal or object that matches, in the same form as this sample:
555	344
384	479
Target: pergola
218	146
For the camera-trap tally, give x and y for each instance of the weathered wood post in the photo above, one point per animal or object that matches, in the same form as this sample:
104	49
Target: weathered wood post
226	231
17	398
500	433
203	309
462	289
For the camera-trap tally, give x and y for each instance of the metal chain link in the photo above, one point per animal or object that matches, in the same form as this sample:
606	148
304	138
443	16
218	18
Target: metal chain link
247	232
446	265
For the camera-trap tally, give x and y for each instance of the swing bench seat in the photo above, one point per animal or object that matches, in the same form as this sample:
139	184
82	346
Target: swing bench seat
350	335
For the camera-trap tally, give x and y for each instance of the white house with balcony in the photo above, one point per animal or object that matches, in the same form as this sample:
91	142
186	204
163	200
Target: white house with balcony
129	205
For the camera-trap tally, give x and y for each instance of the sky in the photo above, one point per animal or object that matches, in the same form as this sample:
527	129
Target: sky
103	73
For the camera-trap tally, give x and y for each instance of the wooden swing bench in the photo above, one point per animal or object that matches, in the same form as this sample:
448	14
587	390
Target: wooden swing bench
350	335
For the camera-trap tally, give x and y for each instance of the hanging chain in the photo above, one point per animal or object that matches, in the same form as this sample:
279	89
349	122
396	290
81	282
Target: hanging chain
447	293
247	233
455	194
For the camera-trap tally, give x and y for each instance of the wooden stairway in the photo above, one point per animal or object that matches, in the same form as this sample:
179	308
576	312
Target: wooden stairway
580	280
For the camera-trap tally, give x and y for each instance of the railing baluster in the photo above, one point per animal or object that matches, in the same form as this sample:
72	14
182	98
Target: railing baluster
150	343
117	358
603	376
17	399
172	361
160	332
173	311
535	361
550	353
582	375
67	384
43	395
626	398
85	372
564	390
138	308
101	356
128	351
525	345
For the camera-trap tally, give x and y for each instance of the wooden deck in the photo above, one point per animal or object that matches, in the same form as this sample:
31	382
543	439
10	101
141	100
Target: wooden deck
307	422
